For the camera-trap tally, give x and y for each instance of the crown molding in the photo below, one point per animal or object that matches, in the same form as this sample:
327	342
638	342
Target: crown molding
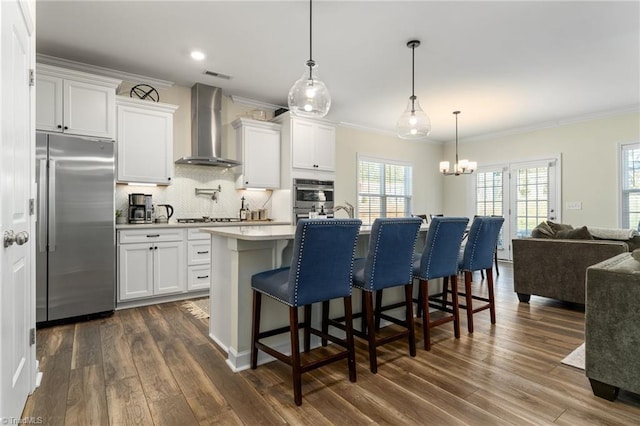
108	72
253	103
380	131
551	124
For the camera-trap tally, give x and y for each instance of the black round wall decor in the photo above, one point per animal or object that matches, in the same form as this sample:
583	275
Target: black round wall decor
144	91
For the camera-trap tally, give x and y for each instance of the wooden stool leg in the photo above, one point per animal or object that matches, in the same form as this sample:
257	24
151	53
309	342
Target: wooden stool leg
492	301
456	306
419	304
445	287
348	320
469	300
255	328
295	355
367	302
495	258
325	321
307	328
426	332
408	297
378	309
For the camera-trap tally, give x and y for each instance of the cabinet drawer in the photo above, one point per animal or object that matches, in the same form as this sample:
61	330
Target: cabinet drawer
196	234
150	235
198	277
198	253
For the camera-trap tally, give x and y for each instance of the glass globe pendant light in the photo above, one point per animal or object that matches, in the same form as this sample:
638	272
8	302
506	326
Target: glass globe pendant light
413	123
309	97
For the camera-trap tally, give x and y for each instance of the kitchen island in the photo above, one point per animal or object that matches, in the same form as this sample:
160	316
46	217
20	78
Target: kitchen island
237	253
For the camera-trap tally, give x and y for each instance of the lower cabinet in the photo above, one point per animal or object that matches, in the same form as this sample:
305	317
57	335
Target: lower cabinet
151	263
198	260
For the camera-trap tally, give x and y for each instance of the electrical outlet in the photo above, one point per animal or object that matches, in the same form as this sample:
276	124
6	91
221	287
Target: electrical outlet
574	205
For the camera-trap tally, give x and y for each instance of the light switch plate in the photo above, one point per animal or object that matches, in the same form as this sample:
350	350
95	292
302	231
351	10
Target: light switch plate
574	205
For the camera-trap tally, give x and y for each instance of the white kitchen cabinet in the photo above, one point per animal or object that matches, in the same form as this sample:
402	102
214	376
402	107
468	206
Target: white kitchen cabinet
313	145
198	260
258	147
144	141
75	102
150	263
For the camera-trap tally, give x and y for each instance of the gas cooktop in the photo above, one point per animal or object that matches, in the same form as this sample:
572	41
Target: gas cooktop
206	219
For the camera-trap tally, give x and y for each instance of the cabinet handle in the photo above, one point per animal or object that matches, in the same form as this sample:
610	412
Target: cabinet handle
203	276
155	248
246	182
168	178
66	128
153	235
151	248
203	252
59	126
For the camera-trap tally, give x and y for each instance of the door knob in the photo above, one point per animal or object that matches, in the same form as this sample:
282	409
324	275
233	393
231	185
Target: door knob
20	238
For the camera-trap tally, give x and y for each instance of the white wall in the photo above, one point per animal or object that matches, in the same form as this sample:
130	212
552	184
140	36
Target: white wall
589	153
425	156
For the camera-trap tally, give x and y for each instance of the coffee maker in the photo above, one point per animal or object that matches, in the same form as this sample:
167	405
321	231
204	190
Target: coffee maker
140	208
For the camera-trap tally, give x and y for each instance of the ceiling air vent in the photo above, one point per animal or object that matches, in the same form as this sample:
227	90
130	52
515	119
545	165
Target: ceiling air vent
217	74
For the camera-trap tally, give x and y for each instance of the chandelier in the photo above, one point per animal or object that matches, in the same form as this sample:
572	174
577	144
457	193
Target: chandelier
460	167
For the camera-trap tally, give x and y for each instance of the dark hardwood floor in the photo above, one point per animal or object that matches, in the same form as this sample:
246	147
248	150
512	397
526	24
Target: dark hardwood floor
156	366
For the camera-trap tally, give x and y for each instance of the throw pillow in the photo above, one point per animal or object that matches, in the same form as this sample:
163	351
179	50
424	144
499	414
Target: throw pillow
558	226
636	254
574	234
543	230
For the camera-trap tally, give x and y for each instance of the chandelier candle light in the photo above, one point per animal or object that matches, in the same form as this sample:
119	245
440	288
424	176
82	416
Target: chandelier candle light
309	96
413	123
461	167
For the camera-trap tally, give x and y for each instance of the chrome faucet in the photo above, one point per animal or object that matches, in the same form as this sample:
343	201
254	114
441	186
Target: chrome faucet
349	209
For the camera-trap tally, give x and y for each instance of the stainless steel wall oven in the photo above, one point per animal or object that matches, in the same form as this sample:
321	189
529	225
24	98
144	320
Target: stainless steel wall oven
312	195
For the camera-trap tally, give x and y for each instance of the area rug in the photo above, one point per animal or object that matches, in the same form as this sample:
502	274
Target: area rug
198	308
575	358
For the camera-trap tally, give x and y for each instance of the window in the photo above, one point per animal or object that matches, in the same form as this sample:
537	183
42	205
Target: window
630	167
384	189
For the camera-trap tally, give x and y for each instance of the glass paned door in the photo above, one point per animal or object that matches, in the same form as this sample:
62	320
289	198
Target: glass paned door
525	194
534	193
491	200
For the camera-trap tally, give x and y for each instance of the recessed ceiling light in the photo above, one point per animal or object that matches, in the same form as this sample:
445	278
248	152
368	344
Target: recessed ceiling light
197	55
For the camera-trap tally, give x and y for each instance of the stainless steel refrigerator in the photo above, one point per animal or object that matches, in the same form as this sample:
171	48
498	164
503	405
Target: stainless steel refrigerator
75	262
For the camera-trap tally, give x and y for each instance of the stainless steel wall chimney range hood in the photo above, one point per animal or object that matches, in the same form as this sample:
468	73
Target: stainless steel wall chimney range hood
206	128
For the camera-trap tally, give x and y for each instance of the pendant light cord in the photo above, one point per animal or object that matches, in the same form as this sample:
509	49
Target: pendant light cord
311	63
413	78
456	114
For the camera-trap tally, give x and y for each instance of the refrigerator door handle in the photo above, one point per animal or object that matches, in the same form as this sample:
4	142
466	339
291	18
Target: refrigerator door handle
52	205
42	207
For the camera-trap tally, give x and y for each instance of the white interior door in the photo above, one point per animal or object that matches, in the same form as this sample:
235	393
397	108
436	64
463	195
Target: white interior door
16	288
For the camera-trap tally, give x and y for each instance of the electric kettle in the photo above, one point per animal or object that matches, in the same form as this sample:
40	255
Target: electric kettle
163	217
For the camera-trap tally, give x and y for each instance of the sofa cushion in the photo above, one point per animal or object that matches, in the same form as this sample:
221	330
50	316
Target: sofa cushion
543	230
558	226
574	234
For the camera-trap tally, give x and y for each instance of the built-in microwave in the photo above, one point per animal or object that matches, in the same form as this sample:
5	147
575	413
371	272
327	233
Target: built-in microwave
310	195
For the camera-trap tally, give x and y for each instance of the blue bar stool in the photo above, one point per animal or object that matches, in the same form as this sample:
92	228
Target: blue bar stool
439	259
478	255
321	269
388	264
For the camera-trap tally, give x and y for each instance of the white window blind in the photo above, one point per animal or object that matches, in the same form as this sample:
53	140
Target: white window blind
630	168
384	189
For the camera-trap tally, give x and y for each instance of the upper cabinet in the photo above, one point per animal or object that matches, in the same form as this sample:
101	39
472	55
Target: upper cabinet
145	141
308	147
75	102
258	147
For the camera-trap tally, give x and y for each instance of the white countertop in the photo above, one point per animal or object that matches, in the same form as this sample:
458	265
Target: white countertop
271	232
259	223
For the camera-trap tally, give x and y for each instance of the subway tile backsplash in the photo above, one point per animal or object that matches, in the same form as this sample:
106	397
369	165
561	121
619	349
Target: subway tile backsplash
181	194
